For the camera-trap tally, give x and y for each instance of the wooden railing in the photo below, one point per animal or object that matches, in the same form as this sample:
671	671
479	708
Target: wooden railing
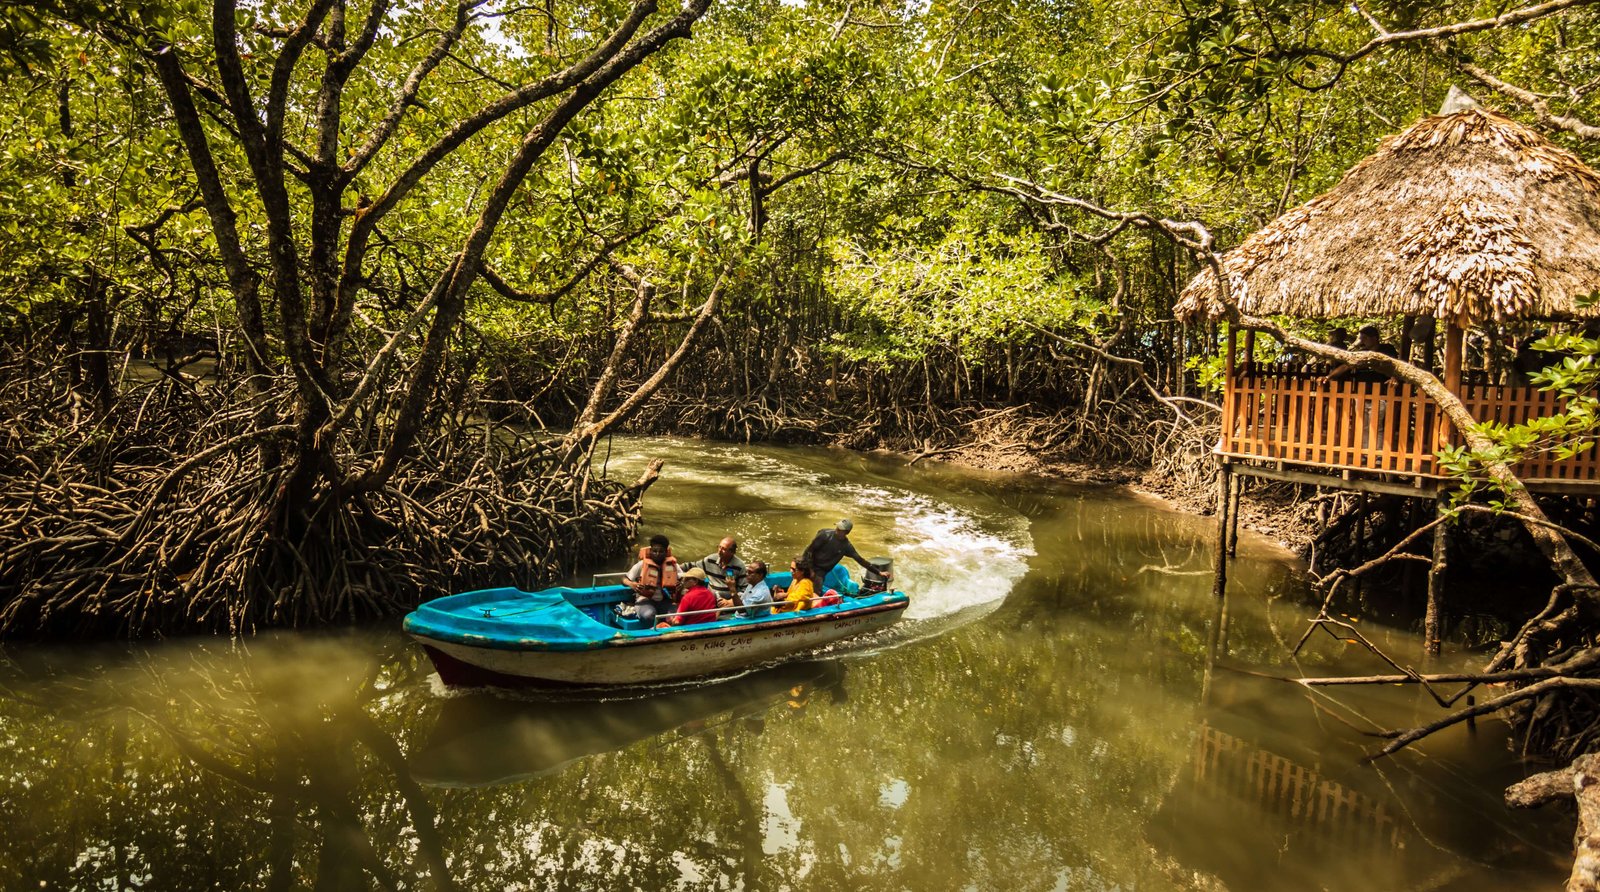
1516	404
1388	426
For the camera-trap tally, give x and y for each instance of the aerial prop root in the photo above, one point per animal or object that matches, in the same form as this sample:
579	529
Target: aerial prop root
222	551
1562	672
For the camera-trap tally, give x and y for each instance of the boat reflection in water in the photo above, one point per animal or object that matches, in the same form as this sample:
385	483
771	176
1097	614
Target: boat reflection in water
485	738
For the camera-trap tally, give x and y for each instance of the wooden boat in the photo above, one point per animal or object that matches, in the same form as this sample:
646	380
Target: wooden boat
571	636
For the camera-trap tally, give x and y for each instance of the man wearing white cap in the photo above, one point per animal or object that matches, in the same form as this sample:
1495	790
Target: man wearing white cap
827	550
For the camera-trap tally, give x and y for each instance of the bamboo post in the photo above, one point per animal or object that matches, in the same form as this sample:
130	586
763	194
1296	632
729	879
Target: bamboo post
1441	551
1358	538
1227	388
1453	338
1494	353
1218	648
1452	378
1219	582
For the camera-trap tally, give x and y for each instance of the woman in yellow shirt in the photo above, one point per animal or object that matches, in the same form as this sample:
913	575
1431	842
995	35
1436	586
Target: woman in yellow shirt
801	590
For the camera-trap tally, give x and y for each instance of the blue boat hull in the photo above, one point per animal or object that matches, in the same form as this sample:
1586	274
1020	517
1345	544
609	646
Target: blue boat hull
507	637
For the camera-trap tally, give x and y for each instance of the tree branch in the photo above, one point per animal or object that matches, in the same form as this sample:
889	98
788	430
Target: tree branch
1536	103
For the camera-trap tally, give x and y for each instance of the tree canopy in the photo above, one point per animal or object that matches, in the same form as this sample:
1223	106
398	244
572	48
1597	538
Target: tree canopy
342	236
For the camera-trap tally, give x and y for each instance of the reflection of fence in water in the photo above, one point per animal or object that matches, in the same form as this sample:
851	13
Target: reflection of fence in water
1294	793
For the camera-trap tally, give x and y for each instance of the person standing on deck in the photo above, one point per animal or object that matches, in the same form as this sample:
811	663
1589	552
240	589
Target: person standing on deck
1370	413
724	570
827	550
1368	338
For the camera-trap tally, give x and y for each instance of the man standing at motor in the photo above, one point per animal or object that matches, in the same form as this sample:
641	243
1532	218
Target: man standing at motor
827	550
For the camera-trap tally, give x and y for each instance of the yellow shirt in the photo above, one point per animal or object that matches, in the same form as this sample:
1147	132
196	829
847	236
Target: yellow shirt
799	596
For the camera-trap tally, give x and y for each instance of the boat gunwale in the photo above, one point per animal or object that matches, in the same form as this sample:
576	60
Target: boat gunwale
800	618
895	600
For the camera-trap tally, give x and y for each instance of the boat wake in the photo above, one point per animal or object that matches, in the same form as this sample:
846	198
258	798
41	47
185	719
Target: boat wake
958	555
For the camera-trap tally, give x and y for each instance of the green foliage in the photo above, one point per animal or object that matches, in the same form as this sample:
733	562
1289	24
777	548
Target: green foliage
897	124
971	291
1574	374
1209	372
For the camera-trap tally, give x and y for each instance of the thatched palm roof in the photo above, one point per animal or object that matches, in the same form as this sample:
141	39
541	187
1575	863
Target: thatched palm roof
1466	216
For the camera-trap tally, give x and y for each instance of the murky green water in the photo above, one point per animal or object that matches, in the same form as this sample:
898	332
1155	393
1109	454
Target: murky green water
1058	711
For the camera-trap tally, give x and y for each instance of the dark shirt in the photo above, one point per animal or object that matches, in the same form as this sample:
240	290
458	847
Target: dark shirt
825	552
1373	376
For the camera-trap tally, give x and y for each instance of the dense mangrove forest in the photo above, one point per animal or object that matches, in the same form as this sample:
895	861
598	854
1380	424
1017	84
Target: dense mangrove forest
312	311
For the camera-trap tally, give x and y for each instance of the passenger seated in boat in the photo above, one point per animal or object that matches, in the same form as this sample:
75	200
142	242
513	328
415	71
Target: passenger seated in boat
724	570
696	603
800	591
757	595
653	580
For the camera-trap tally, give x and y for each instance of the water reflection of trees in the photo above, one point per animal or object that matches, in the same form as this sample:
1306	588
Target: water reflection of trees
284	765
204	766
291	766
1038	747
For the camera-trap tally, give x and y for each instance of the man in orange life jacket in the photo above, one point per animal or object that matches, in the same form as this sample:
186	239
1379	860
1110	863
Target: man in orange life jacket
653	580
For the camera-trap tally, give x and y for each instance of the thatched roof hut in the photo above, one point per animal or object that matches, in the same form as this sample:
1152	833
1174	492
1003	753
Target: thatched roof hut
1465	217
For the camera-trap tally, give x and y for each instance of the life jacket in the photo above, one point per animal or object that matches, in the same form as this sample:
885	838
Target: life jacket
662	575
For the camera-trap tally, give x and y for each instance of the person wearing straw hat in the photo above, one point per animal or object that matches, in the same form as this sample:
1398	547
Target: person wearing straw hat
696	603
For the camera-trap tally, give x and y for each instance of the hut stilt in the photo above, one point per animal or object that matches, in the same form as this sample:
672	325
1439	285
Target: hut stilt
1219	582
1433	620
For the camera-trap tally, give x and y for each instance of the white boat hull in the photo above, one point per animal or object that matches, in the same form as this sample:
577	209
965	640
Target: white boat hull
681	654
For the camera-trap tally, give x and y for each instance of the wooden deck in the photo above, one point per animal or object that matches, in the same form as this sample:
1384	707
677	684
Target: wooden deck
1386	428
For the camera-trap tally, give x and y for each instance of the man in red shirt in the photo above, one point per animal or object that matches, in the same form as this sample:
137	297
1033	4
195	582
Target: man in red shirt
695	601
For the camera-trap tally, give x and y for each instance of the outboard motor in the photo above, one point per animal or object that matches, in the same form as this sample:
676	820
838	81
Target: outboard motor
880	572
